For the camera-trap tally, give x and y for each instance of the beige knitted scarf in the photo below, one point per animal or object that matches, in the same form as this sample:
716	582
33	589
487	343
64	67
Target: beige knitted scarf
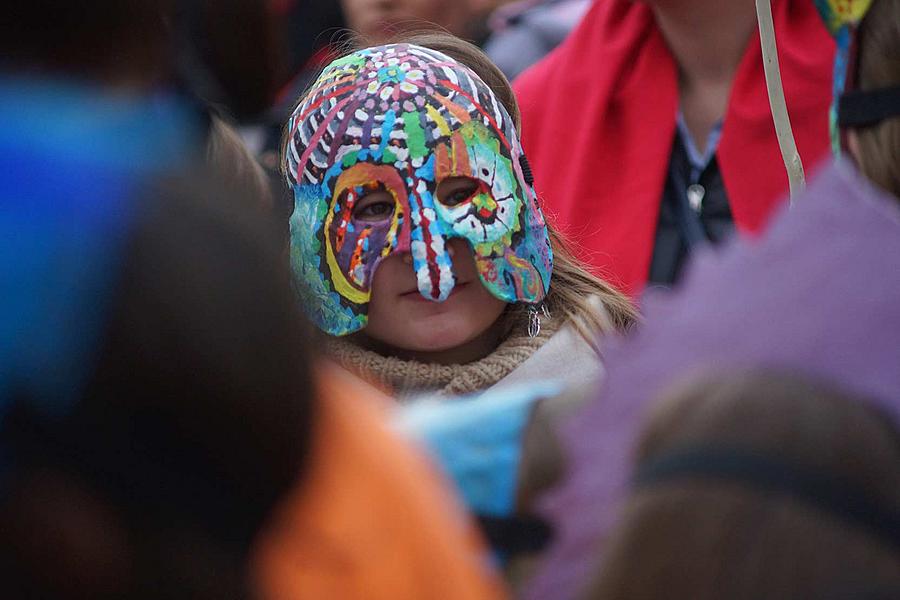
405	378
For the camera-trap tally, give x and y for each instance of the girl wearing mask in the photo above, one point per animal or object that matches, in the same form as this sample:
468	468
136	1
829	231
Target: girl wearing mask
418	243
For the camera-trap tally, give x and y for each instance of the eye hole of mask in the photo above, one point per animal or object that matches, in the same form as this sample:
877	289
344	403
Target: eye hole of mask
376	206
454	191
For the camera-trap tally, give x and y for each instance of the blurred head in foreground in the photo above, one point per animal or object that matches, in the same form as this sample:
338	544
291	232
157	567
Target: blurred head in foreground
148	472
759	485
154	385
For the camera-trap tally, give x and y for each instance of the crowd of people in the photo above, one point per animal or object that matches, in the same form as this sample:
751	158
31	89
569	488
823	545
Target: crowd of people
307	300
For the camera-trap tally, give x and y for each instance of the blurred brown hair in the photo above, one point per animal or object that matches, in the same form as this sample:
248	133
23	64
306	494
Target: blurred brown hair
705	538
105	39
879	67
226	52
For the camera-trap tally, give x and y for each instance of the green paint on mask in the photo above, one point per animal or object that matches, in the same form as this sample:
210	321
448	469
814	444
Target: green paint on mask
350	158
415	135
353	61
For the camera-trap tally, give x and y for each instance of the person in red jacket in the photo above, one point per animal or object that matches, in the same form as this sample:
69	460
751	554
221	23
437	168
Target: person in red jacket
650	133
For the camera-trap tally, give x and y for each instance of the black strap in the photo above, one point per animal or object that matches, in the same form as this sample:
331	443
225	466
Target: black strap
515	534
863	108
870	590
526	169
819	489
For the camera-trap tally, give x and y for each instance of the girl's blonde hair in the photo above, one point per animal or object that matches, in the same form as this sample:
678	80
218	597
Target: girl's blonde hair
589	303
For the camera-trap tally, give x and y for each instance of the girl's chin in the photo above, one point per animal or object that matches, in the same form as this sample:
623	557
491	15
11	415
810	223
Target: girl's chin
439	340
437	337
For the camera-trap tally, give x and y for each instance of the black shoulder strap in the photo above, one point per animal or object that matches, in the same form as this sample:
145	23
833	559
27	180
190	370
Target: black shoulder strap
515	534
819	489
863	108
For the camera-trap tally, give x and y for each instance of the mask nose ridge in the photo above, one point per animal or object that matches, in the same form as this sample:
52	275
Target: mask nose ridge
433	265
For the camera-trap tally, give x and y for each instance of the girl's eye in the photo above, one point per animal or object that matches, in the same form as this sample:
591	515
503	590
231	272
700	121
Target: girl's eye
373	207
453	191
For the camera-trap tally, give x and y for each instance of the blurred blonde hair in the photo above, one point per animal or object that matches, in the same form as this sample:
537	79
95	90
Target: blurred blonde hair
234	165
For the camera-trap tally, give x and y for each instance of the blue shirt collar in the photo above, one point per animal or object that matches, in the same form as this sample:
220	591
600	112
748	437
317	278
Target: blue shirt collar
699	160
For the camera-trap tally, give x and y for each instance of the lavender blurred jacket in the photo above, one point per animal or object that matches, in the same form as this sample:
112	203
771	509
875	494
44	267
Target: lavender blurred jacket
819	294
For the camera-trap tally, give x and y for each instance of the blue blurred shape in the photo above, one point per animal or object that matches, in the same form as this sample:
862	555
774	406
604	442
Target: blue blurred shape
70	159
478	440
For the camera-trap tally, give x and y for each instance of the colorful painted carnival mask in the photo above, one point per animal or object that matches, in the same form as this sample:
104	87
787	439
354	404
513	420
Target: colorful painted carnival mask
399	120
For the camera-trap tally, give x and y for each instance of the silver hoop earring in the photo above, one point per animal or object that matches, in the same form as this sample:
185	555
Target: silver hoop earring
534	319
